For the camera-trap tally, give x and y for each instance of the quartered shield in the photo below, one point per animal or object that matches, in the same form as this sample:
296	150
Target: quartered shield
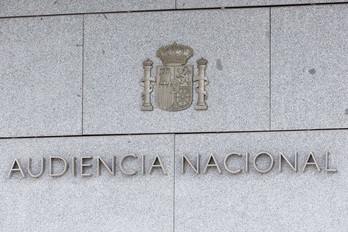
174	87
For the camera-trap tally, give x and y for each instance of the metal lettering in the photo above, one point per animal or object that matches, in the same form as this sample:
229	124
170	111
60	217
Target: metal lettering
327	164
226	166
294	167
270	166
51	166
159	165
84	165
16	166
143	164
184	160
212	165
311	155
122	167
101	162
41	171
73	168
247	163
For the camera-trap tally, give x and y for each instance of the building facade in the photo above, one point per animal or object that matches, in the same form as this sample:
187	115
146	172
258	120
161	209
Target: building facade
78	152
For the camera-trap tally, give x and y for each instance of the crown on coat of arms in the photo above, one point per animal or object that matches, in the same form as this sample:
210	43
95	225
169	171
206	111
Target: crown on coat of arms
174	80
174	54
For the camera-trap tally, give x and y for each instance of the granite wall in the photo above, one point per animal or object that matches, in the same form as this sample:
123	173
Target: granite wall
70	88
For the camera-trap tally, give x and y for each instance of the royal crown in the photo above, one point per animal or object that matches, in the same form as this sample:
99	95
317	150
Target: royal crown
147	62
174	54
202	61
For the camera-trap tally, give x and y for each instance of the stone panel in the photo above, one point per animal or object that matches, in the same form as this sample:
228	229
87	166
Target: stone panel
40	76
235	43
182	4
49	7
309	67
96	203
274	201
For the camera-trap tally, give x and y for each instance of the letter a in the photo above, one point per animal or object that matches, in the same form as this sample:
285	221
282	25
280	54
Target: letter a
16	166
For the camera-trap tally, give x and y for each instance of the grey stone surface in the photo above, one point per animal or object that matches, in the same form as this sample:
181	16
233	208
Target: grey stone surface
235	43
182	4
40	76
47	7
97	203
309	67
287	201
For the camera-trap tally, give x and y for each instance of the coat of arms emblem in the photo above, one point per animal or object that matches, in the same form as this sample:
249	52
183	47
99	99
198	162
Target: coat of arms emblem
174	80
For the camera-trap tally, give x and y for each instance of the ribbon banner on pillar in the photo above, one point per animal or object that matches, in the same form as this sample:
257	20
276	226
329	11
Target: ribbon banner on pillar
174	80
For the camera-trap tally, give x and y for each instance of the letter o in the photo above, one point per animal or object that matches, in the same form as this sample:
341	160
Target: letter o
270	166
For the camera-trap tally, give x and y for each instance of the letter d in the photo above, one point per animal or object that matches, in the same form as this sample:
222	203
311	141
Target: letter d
52	158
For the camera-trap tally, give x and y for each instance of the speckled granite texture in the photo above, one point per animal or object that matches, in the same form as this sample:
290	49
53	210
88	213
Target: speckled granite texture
309	67
70	87
182	4
235	43
53	7
41	76
97	203
287	201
